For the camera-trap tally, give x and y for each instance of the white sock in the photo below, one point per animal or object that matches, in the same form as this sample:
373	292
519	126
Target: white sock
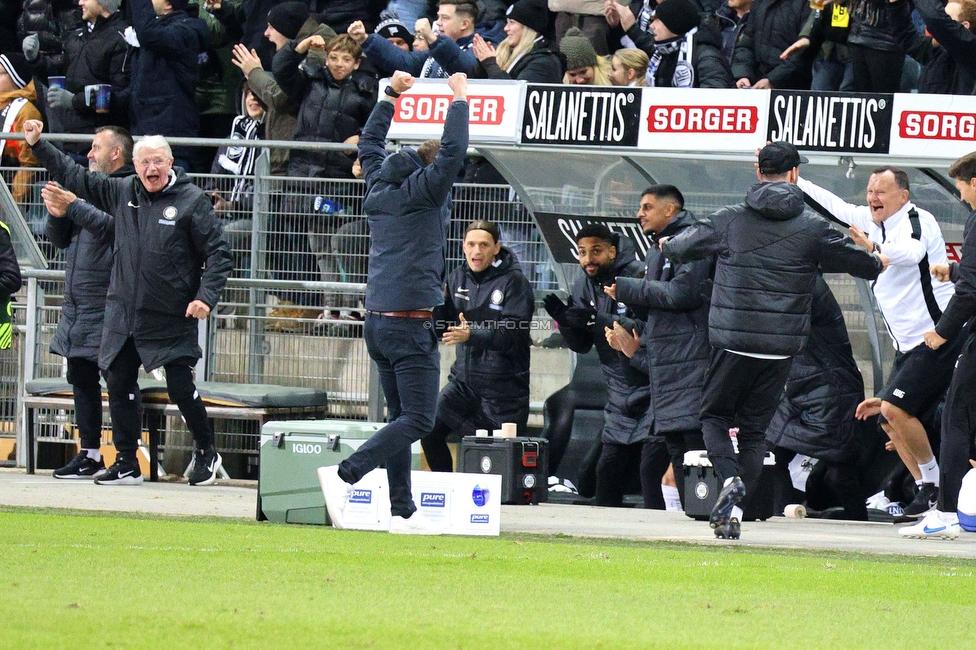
672	500
736	513
930	472
94	454
948	517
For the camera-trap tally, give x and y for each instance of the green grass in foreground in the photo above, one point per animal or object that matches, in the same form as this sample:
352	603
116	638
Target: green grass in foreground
75	581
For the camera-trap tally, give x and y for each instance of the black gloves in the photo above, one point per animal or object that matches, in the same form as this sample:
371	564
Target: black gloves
570	315
555	307
580	317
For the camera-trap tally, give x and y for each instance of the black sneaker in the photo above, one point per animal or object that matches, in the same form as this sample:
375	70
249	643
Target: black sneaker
730	496
125	471
204	467
731	530
81	466
925	500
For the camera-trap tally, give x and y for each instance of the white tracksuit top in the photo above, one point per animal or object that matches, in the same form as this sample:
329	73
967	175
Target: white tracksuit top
898	290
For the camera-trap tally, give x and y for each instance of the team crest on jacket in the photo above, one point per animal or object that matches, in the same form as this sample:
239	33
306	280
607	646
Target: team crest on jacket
497	296
170	212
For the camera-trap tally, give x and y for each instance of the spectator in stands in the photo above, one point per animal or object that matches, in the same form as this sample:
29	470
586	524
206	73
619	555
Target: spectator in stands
825	33
41	28
948	58
628	67
682	55
673	348
876	56
772	27
168	43
731	19
17	95
285	22
583	65
627	446
449	51
587	16
815	417
958	430
487	313
339	14
393	30
88	266
911	304
524	54
769	250
170	267
10	283
406	275
248	21
93	55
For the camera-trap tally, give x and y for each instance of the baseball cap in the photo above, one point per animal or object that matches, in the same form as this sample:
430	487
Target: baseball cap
779	158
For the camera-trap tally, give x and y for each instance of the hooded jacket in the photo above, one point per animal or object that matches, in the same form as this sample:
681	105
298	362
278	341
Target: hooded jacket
816	415
408	209
499	303
88	266
770	249
169	251
627	415
674	347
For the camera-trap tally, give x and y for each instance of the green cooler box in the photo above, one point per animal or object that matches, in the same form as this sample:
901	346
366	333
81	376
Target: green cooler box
292	453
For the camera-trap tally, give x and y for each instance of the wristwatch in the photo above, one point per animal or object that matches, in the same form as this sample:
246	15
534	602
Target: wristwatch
877	248
389	92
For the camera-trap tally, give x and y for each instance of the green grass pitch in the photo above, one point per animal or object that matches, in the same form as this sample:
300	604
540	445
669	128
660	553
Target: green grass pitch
75	580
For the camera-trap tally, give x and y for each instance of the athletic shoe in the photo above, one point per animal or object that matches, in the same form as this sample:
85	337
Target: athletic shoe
931	527
124	471
730	496
925	500
204	467
81	466
417	524
336	493
731	530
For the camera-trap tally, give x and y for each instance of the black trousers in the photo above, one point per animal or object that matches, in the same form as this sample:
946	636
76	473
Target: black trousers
876	71
125	401
618	465
958	428
741	392
677	443
87	392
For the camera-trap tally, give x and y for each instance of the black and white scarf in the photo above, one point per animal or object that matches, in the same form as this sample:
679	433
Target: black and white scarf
684	71
239	161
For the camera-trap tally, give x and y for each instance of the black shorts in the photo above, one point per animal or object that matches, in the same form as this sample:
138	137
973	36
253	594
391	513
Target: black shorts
920	377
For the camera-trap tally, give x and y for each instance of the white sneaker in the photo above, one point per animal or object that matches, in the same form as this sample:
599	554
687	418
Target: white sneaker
931	527
336	493
417	524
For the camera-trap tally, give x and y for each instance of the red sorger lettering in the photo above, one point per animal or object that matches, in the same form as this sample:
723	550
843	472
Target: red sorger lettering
432	109
932	125
702	119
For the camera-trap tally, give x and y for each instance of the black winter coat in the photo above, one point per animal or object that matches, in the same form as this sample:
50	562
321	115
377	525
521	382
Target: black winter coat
88	259
948	68
540	65
164	74
816	415
772	27
674	347
99	56
339	14
770	249
408	206
499	304
169	251
627	416
962	306
329	111
710	65
10	277
870	26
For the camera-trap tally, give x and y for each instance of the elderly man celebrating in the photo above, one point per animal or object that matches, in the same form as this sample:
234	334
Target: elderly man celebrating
171	264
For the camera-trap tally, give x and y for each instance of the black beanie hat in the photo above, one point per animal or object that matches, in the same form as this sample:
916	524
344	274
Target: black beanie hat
16	65
530	13
680	16
288	18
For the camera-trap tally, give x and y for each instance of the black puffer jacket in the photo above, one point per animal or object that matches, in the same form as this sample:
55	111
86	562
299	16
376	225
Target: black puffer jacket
769	251
772	27
627	416
870	26
169	251
816	415
88	255
674	347
710	65
99	56
50	20
540	65
499	304
330	111
948	68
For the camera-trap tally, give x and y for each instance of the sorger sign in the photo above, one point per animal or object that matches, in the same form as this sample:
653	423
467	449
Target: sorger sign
941	126
432	109
935	126
702	119
679	118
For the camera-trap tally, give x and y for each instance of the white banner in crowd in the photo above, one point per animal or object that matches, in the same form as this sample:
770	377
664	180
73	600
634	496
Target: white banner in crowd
675	119
495	110
933	126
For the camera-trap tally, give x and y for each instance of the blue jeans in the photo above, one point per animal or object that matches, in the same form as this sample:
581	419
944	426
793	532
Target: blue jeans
405	351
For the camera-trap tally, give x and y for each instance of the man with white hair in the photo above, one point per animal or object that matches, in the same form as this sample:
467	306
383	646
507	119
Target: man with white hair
171	264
